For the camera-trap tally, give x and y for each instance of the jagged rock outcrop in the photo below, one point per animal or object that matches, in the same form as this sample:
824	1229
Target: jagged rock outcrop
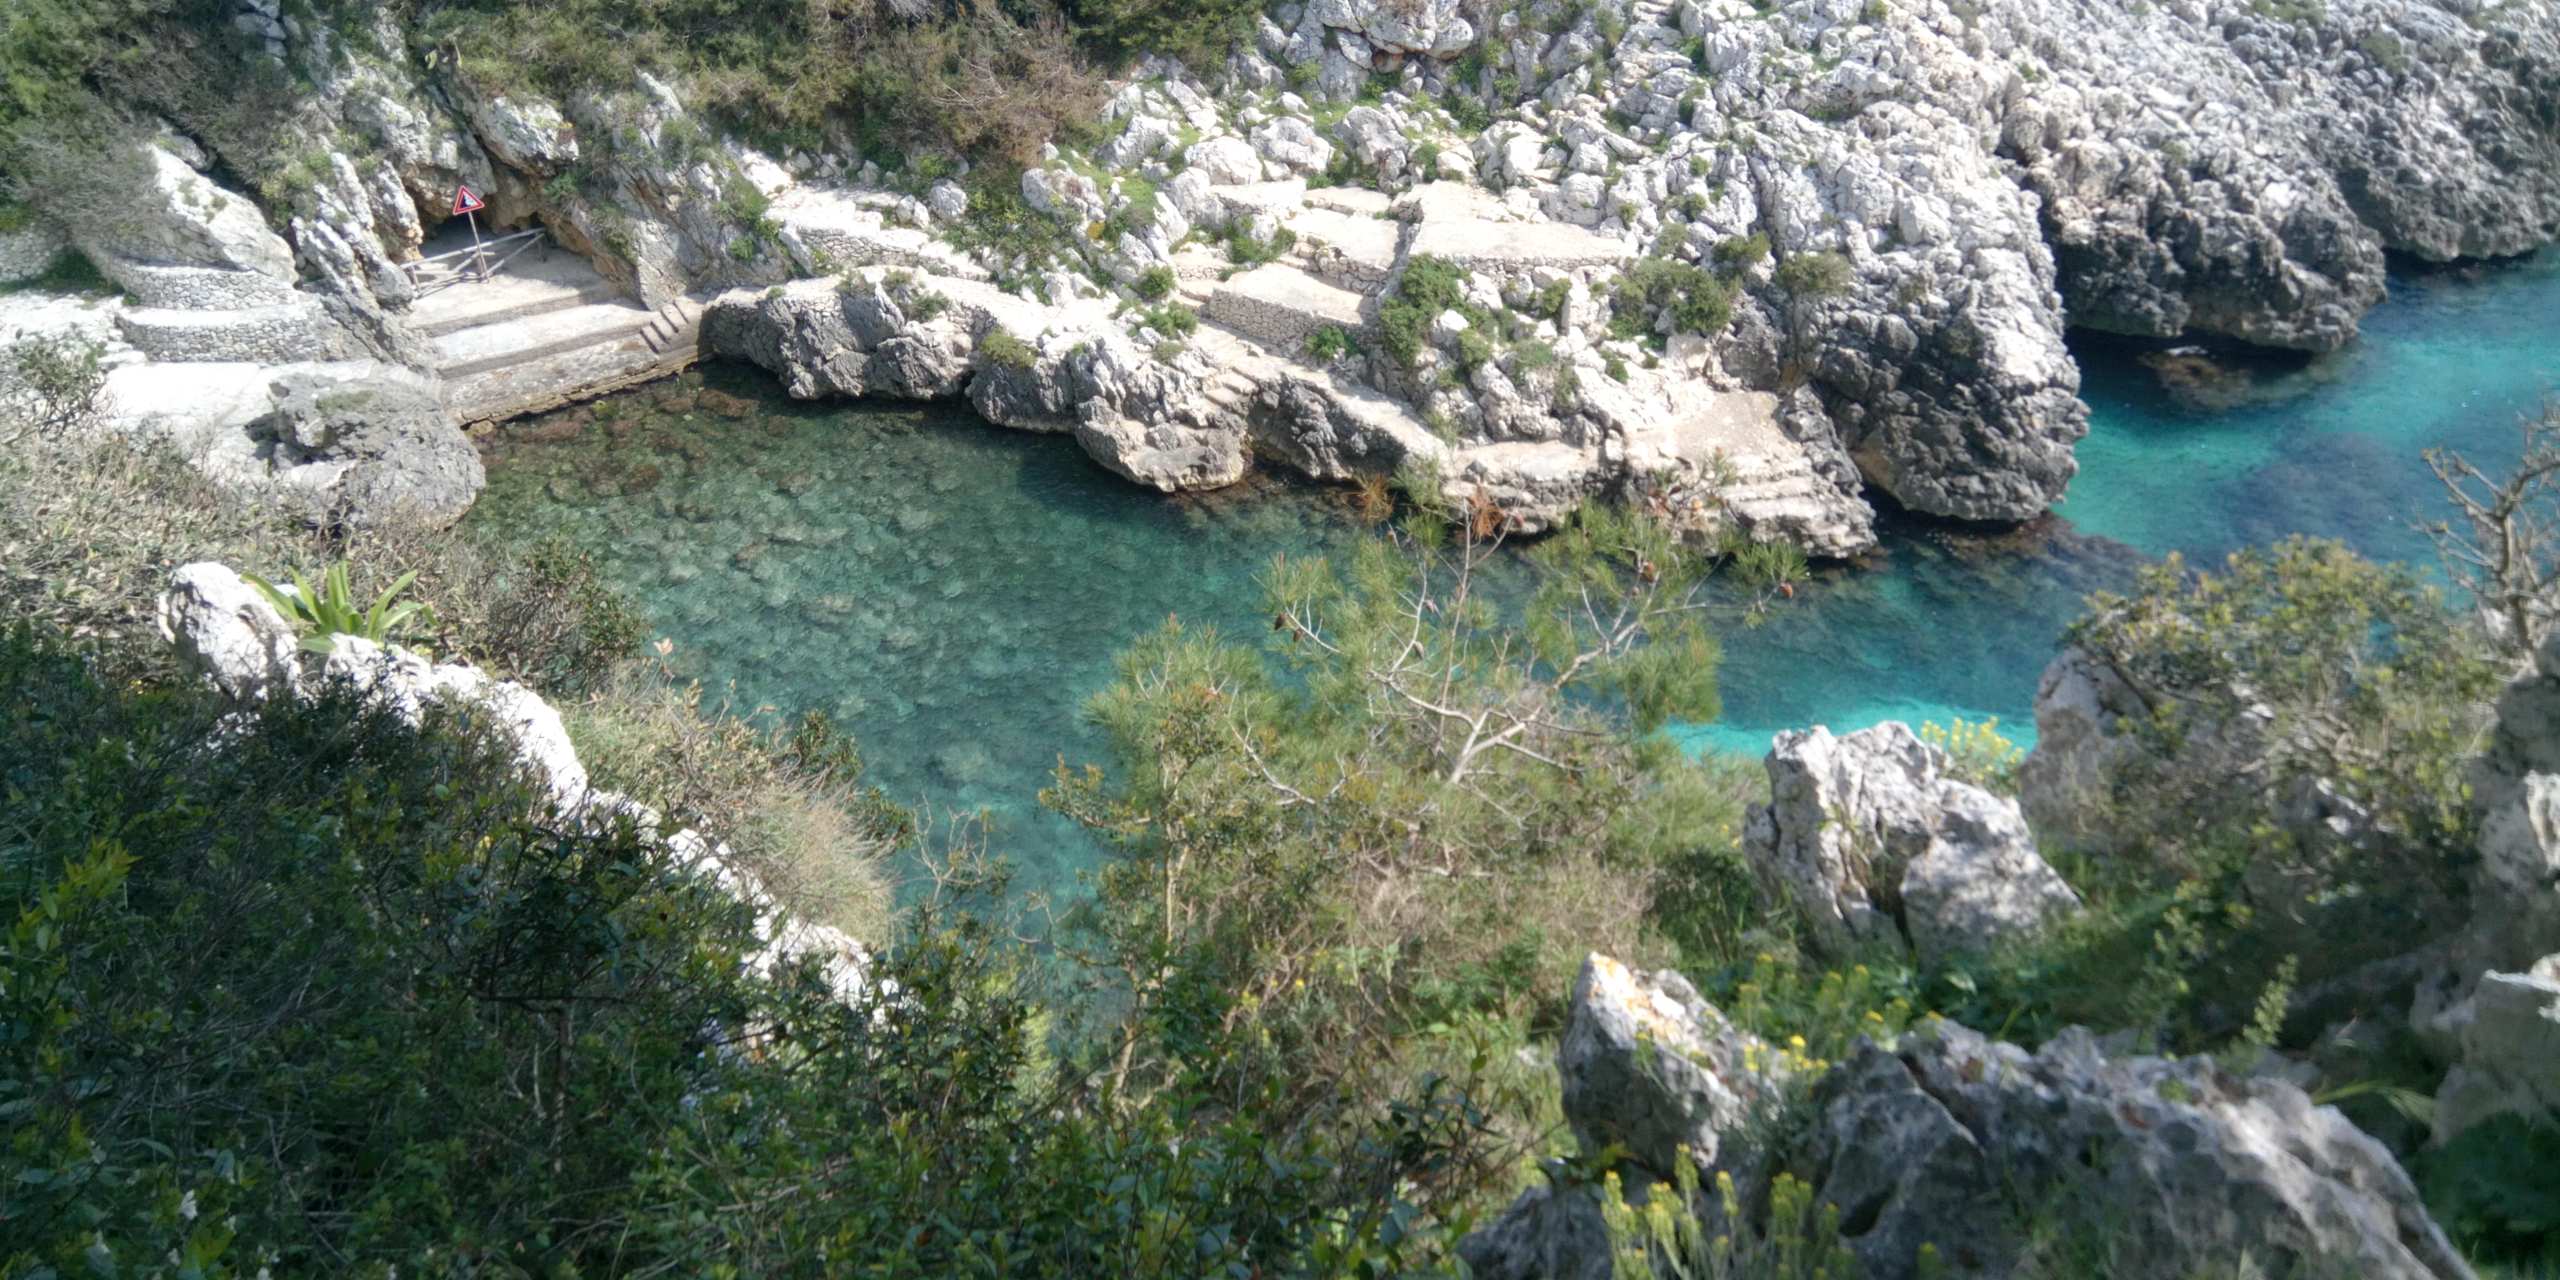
2515	789
368	451
1947	1139
231	636
1907	203
1021	364
1646	1067
2475	1007
1868	838
1950	1143
2506	1037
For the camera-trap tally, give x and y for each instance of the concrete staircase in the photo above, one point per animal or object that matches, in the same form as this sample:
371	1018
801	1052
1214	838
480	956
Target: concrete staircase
549	331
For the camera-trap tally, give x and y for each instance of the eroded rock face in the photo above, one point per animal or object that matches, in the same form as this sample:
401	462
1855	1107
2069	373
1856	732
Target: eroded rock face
2508	1038
2516	793
1868	838
1022	365
2189	1166
370	451
224	630
1648	1067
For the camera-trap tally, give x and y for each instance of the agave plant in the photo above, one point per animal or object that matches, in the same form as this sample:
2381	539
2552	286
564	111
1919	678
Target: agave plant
331	609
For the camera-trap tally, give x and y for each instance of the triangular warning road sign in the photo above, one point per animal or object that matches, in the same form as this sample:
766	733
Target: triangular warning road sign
465	202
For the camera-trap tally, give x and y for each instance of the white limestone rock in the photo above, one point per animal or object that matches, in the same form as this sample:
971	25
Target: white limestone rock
226	631
1225	161
1865	829
2508	1038
1923	1144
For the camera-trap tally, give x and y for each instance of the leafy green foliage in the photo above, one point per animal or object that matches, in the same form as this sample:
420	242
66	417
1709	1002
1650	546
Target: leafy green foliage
329	610
1201	34
1405	811
1248	250
1665	1238
1172	319
2493	1188
1428	287
1694	300
1004	349
2362	676
1330	343
1977	752
50	382
1155	284
978	77
1820	274
339	996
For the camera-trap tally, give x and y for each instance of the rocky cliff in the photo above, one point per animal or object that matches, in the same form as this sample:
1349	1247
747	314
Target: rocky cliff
1743	263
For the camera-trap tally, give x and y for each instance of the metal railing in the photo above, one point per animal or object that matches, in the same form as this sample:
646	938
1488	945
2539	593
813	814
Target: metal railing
479	262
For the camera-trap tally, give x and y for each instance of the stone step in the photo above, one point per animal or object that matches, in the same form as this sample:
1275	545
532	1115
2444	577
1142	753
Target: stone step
184	288
516	341
1353	251
678	322
1280	305
521	305
281	334
542	381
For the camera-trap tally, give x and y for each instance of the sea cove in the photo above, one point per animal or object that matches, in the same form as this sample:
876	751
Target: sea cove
952	591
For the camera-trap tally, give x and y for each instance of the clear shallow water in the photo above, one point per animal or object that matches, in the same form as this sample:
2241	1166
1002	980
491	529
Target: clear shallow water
952	592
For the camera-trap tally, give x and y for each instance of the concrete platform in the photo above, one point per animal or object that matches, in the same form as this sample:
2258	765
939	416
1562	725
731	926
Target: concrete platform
540	281
1355	251
1516	246
1281	305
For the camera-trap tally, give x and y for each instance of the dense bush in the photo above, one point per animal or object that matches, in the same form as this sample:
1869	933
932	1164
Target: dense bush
1428	287
974	76
1813	275
1404	814
1694	300
337	997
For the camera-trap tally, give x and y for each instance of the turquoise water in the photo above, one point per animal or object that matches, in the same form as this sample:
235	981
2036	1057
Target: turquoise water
952	592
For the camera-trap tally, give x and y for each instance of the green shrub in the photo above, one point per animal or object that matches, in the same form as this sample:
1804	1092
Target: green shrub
1820	274
1155	284
1695	301
1246	250
1172	320
341	995
1330	343
976	78
52	382
322	613
2492	1188
1428	287
1002	348
1743	251
1266	794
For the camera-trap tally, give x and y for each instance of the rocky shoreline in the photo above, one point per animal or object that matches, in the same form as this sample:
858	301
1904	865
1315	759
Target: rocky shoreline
1742	265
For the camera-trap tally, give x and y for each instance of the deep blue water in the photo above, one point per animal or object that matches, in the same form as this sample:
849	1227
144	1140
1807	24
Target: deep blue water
952	592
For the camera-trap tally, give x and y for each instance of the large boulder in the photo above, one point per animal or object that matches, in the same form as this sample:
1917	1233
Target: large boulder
172	215
2508	1033
1868	838
2515	789
225	630
1947	1142
1650	1067
1652	1071
369	451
